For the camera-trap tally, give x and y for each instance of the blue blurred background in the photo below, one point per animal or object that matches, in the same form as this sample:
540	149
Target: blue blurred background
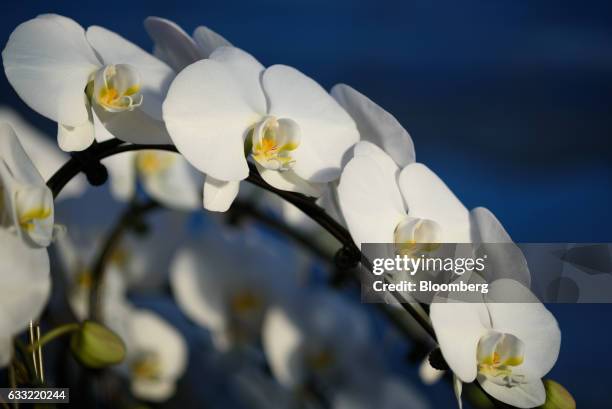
509	102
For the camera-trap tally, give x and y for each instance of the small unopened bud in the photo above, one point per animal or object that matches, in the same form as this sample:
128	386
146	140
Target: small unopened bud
96	346
557	397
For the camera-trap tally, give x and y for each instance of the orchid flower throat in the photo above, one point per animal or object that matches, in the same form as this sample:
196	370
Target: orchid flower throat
274	142
413	235
146	366
116	88
151	163
34	213
498	354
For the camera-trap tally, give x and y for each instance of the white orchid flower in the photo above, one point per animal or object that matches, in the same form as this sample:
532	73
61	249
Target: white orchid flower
156	352
165	176
141	260
26	229
174	46
315	339
219	108
226	294
86	80
507	342
382	204
44	154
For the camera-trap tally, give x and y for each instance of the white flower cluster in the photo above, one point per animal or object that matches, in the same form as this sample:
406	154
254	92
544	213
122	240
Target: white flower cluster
227	114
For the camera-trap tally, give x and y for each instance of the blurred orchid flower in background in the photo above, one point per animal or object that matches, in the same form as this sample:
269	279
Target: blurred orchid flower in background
92	83
165	176
44	154
220	108
156	353
507	341
311	343
226	294
26	229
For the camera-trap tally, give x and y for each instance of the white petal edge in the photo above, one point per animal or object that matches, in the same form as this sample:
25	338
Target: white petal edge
208	116
376	125
48	61
459	326
365	195
428	197
526	318
282	339
175	46
208	40
504	258
219	195
530	395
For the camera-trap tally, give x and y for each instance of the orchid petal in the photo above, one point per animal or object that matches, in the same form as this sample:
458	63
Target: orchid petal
208	40
208	115
130	126
177	185
523	316
282	340
149	332
155	75
366	196
25	271
49	62
194	287
525	395
172	43
504	258
376	125
219	195
459	326
122	171
427	197
288	180
327	130
46	156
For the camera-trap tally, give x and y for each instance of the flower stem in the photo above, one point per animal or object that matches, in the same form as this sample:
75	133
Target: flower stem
51	335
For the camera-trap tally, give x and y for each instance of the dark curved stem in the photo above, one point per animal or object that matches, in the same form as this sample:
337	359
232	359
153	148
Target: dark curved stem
99	151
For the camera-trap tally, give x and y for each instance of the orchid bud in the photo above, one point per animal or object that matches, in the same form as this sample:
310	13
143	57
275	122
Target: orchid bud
96	346
557	397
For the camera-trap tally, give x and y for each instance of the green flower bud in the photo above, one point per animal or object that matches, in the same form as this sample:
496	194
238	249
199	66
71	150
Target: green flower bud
557	397
96	346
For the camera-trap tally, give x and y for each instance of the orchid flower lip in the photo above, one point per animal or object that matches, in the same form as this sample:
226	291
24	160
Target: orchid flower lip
498	355
117	88
413	235
273	142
